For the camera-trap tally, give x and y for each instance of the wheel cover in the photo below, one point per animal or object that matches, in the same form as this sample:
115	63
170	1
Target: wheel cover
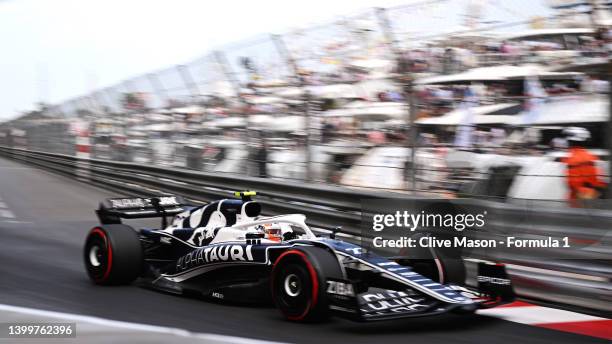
293	285
292	282
98	257
95	255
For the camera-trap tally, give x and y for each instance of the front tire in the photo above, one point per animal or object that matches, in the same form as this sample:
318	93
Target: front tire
113	255
299	280
440	265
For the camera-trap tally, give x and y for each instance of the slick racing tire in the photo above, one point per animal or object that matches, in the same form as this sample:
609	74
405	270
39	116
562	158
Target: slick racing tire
298	283
113	255
437	264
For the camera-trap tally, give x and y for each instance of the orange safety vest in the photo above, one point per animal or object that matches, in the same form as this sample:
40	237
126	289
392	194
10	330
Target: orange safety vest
582	175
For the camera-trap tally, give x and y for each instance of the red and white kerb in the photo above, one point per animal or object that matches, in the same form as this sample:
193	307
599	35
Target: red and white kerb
551	318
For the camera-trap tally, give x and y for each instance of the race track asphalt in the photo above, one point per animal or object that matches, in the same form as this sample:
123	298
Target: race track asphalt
41	238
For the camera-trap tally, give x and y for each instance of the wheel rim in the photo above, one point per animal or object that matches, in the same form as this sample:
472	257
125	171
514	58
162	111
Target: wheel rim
293	285
292	290
95	256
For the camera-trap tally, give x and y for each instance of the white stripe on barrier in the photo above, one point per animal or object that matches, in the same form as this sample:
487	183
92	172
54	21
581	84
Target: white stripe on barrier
83	148
83	155
82	140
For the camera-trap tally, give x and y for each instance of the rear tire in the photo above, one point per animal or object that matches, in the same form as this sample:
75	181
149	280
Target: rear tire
299	280
113	255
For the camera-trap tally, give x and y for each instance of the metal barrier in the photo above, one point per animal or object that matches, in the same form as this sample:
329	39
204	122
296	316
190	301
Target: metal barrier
578	278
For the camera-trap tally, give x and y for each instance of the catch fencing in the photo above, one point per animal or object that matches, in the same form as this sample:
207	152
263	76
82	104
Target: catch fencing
316	54
360	48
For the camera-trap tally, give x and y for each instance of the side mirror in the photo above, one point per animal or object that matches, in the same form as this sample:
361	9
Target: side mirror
156	202
334	231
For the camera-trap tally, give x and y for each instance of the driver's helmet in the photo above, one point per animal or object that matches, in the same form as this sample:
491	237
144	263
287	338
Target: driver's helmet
274	231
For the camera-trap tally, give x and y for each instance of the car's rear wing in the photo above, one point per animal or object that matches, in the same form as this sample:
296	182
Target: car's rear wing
112	210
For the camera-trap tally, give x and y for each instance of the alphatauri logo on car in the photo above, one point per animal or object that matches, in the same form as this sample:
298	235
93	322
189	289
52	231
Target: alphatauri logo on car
221	253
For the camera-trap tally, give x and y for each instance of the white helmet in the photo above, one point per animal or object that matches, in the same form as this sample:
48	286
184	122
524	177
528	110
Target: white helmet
576	134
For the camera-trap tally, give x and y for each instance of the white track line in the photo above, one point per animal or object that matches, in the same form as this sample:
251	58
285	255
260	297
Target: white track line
132	326
7	214
4	212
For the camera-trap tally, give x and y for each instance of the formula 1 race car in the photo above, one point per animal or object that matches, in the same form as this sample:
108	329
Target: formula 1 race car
227	250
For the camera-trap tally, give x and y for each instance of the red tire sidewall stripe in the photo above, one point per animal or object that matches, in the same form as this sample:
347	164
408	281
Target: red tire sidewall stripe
313	277
109	250
440	267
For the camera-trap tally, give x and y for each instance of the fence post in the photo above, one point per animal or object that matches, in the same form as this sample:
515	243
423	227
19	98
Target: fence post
227	70
306	97
158	88
188	80
406	79
609	129
83	153
109	95
89	103
101	107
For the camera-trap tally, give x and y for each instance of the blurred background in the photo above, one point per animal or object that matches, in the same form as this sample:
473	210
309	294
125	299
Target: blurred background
446	98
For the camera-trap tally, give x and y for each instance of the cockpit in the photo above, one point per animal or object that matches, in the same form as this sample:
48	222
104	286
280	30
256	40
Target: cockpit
236	220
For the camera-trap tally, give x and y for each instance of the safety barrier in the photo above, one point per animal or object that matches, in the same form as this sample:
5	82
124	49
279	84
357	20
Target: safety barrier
578	278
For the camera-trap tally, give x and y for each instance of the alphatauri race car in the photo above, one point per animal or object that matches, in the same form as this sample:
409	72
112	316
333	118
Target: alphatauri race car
227	250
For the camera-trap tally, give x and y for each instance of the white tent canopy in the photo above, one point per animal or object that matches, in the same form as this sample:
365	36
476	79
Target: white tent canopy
277	123
154	127
157	117
493	74
546	32
561	110
193	109
335	91
481	116
386	110
261	100
228	122
289	92
377	64
363	89
570	109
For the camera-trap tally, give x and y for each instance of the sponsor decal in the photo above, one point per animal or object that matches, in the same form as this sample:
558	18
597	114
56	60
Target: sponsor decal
127	203
220	253
165	240
493	280
354	250
390	302
340	288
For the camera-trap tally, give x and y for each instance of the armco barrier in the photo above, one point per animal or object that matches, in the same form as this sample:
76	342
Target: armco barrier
574	278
